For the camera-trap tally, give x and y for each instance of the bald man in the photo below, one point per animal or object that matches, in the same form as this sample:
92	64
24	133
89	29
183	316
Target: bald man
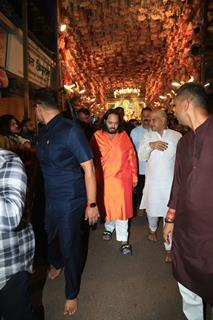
158	148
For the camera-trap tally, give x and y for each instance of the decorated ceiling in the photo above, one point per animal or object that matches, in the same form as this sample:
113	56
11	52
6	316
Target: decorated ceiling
113	44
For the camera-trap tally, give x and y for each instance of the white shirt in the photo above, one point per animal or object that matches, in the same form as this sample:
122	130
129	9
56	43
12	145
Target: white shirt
137	135
159	171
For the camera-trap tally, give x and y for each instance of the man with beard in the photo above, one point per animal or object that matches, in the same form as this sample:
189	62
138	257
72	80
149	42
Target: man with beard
28	130
189	217
137	135
64	156
116	172
84	119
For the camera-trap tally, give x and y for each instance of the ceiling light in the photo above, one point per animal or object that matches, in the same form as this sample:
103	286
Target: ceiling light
176	84
206	85
191	79
69	87
126	91
63	27
162	97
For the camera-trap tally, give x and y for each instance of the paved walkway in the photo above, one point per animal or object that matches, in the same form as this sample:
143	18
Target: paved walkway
113	287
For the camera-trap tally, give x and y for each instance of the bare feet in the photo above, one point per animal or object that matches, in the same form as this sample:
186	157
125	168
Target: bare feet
70	307
168	257
53	273
152	236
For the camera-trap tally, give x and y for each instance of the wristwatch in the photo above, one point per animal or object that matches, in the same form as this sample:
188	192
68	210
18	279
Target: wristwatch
92	205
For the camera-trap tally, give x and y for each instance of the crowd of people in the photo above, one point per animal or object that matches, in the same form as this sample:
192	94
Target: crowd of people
110	169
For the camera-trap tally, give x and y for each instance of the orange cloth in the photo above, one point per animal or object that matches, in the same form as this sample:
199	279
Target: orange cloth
116	171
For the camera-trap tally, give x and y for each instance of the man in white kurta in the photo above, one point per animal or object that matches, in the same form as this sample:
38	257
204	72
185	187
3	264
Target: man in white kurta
158	148
136	136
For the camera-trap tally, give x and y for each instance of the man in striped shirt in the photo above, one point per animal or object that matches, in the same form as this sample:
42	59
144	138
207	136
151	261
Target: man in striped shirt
16	240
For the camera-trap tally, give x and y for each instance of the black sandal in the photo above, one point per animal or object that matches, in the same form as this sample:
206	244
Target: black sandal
126	249
107	235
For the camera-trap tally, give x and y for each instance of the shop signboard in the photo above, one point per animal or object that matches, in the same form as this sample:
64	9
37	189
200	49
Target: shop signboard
39	64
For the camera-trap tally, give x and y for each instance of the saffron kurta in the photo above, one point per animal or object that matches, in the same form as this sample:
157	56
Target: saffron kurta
192	197
159	171
116	170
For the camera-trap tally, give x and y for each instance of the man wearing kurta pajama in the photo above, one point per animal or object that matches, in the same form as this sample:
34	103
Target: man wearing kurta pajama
116	172
190	215
158	147
136	136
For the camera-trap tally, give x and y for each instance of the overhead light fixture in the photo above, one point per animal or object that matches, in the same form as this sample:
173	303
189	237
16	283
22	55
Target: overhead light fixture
162	97
206	84
126	91
68	87
176	84
191	79
63	27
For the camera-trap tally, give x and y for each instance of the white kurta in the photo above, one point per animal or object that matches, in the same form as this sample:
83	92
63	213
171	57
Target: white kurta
159	171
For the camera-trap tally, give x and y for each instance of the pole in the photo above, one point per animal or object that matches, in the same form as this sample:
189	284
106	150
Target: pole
25	57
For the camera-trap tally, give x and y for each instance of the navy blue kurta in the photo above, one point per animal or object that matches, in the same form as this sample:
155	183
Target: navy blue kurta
62	147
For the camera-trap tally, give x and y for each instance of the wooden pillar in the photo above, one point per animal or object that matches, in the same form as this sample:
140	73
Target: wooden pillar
25	56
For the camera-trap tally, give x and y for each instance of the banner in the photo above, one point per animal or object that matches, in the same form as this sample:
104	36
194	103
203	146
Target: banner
39	64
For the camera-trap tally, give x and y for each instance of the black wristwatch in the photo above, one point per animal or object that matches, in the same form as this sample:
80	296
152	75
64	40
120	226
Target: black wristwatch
92	205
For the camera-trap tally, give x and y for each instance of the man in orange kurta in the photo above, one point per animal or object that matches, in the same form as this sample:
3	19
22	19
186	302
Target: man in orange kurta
116	172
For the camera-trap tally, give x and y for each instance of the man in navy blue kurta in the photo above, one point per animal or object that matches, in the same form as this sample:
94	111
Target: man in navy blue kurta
63	152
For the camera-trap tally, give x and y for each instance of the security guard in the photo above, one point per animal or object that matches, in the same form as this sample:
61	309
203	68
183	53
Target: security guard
63	152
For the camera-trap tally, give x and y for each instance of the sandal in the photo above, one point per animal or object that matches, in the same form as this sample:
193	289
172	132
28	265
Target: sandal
125	249
107	235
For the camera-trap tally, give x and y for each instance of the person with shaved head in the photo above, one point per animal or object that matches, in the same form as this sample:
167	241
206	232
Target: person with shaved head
158	148
190	215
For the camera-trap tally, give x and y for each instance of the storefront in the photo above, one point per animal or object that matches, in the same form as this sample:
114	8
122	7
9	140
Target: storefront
41	68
